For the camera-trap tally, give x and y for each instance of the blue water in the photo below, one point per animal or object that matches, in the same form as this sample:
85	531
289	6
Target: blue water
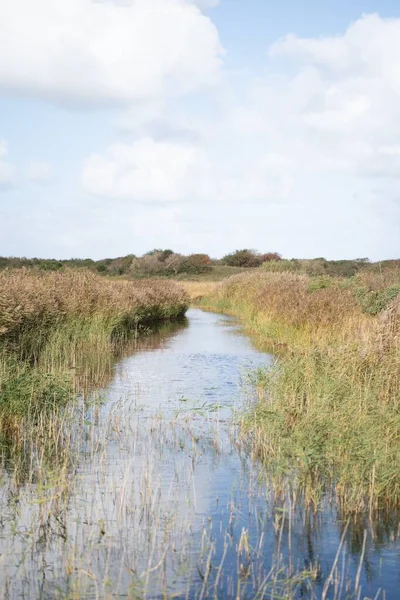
164	502
206	362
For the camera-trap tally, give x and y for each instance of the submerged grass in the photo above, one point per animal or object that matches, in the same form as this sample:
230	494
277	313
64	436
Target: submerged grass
54	326
328	413
122	514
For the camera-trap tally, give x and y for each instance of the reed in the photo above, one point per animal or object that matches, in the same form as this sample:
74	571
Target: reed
105	504
197	290
328	413
113	500
53	325
32	303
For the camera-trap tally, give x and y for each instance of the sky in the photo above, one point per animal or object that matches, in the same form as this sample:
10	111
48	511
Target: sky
201	126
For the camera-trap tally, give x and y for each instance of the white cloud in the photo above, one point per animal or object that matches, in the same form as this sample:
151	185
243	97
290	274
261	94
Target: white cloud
146	171
302	159
314	148
337	114
174	171
205	4
105	50
40	172
340	111
8	170
370	44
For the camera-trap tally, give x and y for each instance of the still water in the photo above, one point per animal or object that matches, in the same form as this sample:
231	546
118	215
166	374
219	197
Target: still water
163	501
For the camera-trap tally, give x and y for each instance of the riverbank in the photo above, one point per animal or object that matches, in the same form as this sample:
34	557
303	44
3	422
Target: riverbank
56	327
328	413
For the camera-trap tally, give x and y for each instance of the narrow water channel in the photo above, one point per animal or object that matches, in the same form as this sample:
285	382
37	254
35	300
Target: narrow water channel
164	502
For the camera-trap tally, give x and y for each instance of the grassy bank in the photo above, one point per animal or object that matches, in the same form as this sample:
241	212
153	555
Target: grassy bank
196	290
56	329
328	413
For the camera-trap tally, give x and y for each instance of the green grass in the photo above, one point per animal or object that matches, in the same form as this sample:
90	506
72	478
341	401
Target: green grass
327	415
59	331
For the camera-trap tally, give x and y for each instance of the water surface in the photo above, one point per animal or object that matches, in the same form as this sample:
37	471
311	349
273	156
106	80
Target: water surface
164	503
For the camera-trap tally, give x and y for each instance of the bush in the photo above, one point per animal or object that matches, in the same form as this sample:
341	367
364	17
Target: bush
374	302
50	265
196	264
167	263
320	283
242	258
149	265
270	257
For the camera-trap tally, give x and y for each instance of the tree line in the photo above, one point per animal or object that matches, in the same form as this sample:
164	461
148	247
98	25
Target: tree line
167	263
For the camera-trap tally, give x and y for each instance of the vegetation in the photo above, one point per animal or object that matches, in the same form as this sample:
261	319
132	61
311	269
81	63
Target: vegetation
333	268
89	494
328	413
169	264
109	491
337	336
249	258
196	290
51	321
164	263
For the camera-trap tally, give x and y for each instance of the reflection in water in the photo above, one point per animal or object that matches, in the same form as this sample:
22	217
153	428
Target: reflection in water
94	369
158	501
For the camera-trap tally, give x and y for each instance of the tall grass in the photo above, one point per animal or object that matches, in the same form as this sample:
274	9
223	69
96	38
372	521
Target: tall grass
196	290
32	304
53	325
328	413
124	511
118	501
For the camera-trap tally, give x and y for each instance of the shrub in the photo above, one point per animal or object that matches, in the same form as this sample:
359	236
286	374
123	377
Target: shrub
195	264
270	257
320	283
242	258
374	302
148	265
173	263
120	266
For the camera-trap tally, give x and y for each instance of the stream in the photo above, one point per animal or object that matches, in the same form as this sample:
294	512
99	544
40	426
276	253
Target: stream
164	502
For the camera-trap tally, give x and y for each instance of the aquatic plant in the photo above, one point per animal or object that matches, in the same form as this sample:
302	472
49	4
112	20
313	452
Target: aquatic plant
110	497
107	503
52	322
328	413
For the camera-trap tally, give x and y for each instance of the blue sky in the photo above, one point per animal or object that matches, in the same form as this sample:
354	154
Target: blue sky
214	129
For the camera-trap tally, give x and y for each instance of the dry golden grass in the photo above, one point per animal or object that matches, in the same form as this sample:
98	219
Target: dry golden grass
30	300
330	409
388	329
290	298
198	289
59	332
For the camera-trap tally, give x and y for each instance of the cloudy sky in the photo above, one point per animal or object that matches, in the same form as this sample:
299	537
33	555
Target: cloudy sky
200	125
